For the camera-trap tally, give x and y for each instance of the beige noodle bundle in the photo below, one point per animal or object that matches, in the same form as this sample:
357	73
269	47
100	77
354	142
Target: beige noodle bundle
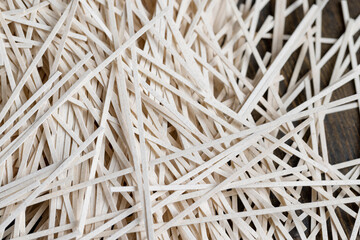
166	119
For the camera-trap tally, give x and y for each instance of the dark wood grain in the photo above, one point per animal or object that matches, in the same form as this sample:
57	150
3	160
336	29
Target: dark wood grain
342	129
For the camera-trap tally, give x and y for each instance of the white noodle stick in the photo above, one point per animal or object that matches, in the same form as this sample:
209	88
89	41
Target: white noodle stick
60	192
28	103
345	79
270	210
83	185
97	18
61	166
124	230
74	5
228	180
248	37
34	176
18	13
41	101
346	164
268	127
46	232
280	60
24	41
33	64
44	27
128	43
8	200
180	146
6	63
20	139
334	48
139	112
99	144
234	185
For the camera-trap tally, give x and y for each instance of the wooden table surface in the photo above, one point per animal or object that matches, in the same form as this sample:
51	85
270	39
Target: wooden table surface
342	129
